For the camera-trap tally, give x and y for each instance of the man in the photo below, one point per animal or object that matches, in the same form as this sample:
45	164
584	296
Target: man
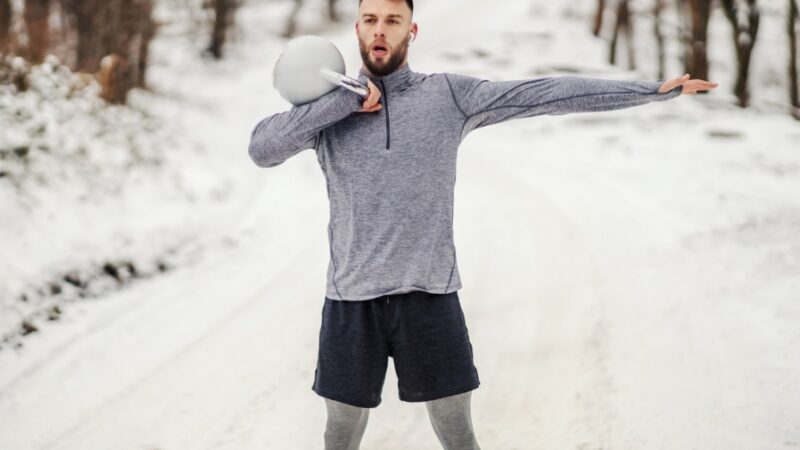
390	171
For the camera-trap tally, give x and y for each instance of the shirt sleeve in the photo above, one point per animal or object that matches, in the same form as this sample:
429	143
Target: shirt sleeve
280	136
483	102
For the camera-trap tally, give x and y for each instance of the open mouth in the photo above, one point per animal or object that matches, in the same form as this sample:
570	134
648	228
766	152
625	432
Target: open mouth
379	50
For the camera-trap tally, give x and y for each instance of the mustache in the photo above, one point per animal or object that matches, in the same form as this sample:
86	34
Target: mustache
369	47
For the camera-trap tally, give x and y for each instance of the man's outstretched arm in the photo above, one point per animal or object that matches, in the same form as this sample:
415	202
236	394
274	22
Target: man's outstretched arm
276	138
484	102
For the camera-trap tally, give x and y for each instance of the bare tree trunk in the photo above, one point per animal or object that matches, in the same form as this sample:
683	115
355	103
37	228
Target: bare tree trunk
134	42
629	39
5	26
698	50
744	38
111	29
658	7
62	39
684	37
148	32
598	17
107	30
131	47
88	18
332	11
612	51
112	41
222	9
291	22
794	95
77	25
36	15
623	22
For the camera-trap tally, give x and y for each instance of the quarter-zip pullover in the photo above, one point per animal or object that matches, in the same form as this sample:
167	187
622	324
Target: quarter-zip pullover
391	175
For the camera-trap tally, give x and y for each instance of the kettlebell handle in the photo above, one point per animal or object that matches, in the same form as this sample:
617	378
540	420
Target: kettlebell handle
346	82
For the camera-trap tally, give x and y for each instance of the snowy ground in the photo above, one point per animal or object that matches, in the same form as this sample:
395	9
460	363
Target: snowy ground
630	277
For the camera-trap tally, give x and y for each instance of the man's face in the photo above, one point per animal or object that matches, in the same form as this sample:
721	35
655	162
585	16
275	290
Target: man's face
384	24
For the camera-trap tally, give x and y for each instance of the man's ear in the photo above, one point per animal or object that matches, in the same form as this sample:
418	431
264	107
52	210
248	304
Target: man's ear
414	30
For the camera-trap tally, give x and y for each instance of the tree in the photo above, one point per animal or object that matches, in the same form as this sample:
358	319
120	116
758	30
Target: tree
147	30
696	49
625	24
598	17
5	26
332	11
122	28
658	8
94	22
794	101
224	11
744	38
291	21
36	16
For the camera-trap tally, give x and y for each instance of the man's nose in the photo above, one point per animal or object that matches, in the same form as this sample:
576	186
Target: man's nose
379	30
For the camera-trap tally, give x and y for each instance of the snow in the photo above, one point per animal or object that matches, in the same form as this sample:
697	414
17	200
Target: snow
630	277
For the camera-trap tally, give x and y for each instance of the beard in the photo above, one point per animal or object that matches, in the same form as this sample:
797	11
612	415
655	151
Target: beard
383	66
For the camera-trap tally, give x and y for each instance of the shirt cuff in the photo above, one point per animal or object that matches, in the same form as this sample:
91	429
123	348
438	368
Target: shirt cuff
672	93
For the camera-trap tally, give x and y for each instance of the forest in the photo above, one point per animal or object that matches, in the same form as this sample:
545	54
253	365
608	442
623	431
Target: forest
109	39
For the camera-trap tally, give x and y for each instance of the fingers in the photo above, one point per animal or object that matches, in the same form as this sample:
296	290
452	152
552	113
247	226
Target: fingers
371	103
700	85
365	107
691	87
673	83
373	108
683	79
371	97
704	83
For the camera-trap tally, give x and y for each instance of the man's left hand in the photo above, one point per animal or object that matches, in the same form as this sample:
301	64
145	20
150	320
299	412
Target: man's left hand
690	87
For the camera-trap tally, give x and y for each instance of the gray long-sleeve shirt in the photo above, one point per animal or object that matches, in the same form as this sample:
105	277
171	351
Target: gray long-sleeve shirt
391	174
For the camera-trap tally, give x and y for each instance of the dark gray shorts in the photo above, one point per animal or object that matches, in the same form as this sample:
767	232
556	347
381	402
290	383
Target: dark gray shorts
425	333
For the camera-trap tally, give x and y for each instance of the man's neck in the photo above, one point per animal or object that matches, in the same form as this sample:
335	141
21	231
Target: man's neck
364	68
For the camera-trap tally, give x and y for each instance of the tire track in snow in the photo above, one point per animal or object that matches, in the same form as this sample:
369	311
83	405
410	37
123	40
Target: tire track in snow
558	368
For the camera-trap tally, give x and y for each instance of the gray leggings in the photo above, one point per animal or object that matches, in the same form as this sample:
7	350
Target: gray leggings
450	417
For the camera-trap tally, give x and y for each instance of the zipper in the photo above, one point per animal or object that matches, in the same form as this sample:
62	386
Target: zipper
385	98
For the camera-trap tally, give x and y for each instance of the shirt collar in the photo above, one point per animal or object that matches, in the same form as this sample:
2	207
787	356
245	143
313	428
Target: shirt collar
392	80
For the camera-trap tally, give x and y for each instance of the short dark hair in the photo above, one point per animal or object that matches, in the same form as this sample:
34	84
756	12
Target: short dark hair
410	4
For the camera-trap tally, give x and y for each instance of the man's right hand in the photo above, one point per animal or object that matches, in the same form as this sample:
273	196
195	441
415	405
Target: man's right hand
372	102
